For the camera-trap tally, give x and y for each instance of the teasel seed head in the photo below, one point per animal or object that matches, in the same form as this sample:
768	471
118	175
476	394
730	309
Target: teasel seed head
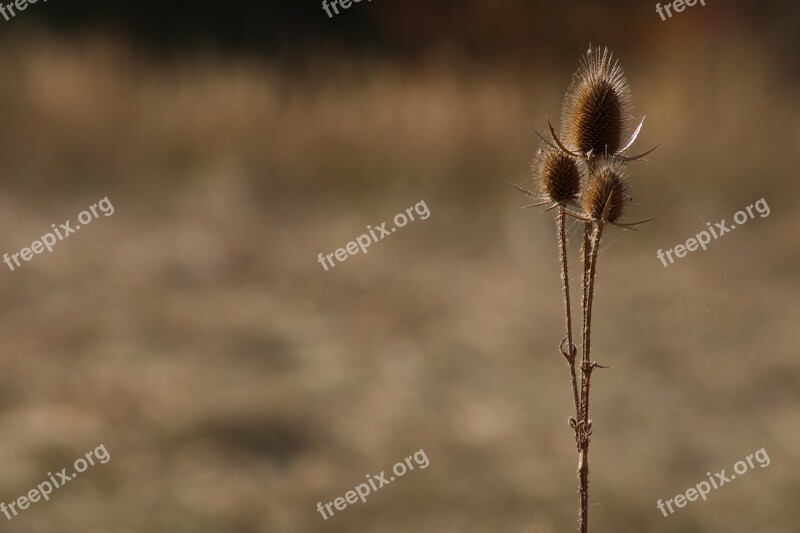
558	176
597	106
606	185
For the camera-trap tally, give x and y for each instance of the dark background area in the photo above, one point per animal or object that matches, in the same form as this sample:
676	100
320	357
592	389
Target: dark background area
503	30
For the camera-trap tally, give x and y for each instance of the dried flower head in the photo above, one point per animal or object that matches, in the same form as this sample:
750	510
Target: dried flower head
558	177
596	113
597	107
605	195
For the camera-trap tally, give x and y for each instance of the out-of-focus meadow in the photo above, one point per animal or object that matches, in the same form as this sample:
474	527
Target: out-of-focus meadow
235	383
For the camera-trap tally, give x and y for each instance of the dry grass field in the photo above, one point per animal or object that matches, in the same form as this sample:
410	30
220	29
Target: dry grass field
235	383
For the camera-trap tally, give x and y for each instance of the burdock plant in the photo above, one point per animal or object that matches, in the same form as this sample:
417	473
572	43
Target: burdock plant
580	174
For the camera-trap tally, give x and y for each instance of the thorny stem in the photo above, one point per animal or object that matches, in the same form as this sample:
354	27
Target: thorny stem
571	350
586	365
587	250
584	430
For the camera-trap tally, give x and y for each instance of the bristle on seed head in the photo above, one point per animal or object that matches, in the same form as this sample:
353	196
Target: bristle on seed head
606	185
597	107
558	176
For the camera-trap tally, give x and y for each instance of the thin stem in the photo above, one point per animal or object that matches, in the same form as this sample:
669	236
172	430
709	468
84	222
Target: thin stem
587	326
587	250
583	488
590	268
571	350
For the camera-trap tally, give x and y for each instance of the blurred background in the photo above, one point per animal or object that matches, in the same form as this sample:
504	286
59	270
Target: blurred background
235	383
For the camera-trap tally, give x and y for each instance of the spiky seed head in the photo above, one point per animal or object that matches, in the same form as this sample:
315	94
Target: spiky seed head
558	176
597	106
605	185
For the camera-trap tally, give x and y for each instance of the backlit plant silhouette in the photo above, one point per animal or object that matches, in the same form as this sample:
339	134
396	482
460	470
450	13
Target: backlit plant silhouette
580	174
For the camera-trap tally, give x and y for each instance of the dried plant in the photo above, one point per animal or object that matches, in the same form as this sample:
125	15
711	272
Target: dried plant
582	176
597	112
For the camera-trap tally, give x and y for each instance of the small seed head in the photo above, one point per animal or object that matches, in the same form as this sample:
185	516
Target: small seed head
597	107
605	185
558	176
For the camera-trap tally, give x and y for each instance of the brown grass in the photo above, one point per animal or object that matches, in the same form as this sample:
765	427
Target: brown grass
235	383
